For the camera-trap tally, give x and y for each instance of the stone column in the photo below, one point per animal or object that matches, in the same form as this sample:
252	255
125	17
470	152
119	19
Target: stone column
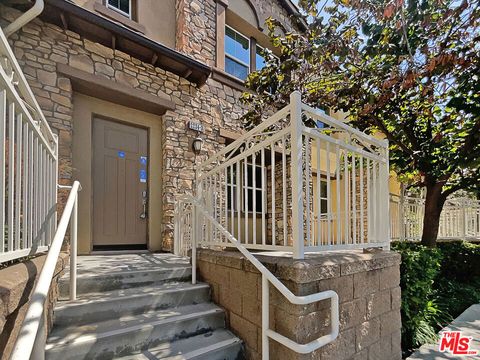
195	35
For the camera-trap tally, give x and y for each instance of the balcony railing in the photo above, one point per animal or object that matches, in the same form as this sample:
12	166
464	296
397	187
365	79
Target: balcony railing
284	186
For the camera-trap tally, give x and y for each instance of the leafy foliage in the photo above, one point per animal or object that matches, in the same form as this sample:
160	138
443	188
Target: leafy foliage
407	69
459	279
461	261
420	314
437	286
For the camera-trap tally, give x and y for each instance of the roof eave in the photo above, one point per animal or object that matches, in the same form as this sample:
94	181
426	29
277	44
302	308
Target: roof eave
119	37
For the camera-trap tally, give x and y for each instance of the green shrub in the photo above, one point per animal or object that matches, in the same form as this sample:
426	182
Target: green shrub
437	286
420	312
461	260
459	280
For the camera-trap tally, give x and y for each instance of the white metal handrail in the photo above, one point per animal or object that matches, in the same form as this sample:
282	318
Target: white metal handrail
32	333
285	187
267	277
182	225
10	66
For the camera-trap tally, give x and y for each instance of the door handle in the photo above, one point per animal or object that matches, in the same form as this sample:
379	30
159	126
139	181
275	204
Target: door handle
143	215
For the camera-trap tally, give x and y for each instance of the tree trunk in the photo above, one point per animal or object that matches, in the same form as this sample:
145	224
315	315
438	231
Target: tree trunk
434	201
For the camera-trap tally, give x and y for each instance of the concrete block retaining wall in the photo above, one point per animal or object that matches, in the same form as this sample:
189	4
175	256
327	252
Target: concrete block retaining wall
16	286
369	296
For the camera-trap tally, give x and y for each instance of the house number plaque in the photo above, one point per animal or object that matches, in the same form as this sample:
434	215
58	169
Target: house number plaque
196	126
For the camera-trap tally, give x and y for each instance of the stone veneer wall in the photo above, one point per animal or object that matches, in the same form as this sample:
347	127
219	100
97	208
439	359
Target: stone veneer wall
367	285
16	285
196	25
40	46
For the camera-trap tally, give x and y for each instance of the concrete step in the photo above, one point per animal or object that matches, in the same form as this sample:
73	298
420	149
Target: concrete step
103	306
116	280
132	333
216	345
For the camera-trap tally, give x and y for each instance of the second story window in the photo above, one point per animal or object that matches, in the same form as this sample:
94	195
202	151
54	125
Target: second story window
124	7
237	53
259	58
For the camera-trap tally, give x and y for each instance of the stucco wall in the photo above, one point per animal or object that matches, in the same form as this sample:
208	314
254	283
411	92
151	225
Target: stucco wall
156	18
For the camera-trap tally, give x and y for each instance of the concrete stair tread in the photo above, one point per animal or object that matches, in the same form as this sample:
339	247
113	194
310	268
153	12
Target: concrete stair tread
194	347
123	272
74	334
90	282
139	306
129	293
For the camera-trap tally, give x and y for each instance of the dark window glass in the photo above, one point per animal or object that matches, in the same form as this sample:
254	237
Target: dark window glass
258	200
232	198
323	195
247	192
122	5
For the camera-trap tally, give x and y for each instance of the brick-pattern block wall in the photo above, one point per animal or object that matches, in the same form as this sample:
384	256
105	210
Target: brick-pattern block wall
16	286
369	295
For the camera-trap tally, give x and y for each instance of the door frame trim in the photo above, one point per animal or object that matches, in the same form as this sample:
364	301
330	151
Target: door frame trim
75	162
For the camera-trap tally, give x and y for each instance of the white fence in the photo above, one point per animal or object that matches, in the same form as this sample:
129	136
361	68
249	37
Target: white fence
28	165
287	187
459	220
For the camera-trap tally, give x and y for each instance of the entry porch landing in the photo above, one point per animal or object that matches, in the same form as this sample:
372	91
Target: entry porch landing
113	261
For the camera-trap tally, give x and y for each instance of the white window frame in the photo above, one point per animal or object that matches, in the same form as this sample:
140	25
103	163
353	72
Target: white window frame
245	187
323	197
253	187
233	57
114	8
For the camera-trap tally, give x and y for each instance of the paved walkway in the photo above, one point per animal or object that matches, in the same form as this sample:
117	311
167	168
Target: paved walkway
469	324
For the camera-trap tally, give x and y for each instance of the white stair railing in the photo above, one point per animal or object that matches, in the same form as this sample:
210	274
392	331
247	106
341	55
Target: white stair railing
32	333
28	191
197	212
284	186
28	165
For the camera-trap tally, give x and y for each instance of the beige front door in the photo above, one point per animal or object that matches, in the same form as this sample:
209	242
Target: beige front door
120	192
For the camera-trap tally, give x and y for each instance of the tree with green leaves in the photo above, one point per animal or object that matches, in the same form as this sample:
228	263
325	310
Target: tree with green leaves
408	69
